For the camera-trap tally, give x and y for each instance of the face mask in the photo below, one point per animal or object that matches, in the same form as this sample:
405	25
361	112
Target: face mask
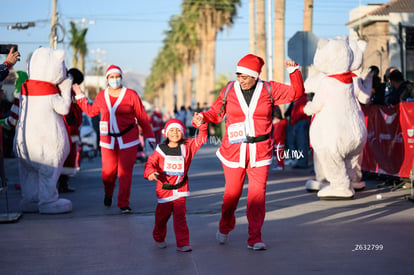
114	82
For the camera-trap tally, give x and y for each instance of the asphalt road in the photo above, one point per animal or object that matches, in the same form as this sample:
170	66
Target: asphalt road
304	235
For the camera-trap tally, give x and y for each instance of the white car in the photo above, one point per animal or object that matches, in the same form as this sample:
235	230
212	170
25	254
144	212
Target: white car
88	138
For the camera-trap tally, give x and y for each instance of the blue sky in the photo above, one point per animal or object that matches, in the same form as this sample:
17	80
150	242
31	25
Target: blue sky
130	32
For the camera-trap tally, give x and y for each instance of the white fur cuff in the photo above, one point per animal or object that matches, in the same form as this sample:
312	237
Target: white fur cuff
79	96
292	69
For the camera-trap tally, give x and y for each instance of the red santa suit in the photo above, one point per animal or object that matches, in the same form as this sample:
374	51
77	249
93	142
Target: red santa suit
247	145
157	124
73	121
172	182
279	137
119	137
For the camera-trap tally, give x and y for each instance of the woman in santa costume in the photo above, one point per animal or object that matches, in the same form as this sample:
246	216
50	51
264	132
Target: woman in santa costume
120	109
169	165
247	145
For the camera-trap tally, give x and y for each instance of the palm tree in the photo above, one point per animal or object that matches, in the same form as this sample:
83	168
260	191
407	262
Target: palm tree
252	26
78	45
261	35
279	42
212	16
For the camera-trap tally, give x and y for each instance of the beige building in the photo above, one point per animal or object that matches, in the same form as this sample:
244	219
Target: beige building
389	31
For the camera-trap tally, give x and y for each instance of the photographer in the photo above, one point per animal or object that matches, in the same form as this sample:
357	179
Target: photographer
11	59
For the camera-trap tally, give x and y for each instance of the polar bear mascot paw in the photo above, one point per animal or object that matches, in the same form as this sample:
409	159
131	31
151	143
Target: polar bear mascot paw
330	192
315	185
41	139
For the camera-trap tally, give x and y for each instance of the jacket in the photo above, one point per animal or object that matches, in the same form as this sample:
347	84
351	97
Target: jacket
127	111
256	119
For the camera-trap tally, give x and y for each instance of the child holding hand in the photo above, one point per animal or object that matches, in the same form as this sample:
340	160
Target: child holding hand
168	165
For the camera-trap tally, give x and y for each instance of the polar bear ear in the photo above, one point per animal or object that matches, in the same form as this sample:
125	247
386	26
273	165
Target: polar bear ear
362	45
59	54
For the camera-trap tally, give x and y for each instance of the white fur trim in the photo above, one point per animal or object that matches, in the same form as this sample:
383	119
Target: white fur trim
244	70
292	69
174	125
79	96
113	70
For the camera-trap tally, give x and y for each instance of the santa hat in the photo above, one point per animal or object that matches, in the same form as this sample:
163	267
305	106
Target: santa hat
113	69
173	123
250	65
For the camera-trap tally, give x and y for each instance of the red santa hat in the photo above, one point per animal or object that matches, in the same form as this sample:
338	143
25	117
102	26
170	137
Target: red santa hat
113	69
173	123
251	65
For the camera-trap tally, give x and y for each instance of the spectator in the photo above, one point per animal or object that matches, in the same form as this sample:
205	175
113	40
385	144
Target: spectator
401	89
181	114
300	122
157	124
73	121
279	137
11	59
376	96
385	88
188	122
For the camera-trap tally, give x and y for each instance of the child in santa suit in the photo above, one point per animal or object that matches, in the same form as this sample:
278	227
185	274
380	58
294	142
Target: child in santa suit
279	136
169	165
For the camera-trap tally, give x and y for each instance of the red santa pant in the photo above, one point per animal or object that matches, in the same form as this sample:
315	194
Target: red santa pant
118	162
255	199
162	215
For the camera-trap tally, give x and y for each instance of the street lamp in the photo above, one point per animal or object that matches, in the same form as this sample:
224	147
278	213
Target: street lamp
21	26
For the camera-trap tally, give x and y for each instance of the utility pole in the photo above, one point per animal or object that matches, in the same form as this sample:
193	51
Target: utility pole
53	26
307	25
252	27
261	34
308	16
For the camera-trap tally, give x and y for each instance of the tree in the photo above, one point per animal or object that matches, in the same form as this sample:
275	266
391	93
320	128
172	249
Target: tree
79	46
279	42
212	16
261	35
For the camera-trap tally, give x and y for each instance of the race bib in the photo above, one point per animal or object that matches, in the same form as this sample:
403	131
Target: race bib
236	133
103	127
174	165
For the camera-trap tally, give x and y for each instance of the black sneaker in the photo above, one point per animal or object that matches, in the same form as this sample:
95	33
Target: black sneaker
108	201
126	210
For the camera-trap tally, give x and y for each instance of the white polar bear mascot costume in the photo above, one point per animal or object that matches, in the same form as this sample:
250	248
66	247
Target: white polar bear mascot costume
337	133
41	140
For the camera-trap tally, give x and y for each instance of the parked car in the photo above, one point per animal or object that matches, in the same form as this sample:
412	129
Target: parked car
88	138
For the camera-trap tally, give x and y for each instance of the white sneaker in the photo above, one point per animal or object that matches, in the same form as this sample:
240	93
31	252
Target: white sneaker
161	244
257	246
222	238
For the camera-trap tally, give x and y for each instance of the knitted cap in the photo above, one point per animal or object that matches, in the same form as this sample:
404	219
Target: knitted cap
250	65
173	123
113	69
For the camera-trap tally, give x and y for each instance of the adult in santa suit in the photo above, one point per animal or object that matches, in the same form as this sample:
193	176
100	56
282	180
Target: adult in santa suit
247	146
120	109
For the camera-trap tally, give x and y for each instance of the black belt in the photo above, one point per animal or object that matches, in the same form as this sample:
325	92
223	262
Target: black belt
129	128
250	139
167	186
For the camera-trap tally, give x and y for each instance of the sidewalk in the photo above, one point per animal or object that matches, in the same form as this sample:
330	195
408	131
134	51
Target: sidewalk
304	235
